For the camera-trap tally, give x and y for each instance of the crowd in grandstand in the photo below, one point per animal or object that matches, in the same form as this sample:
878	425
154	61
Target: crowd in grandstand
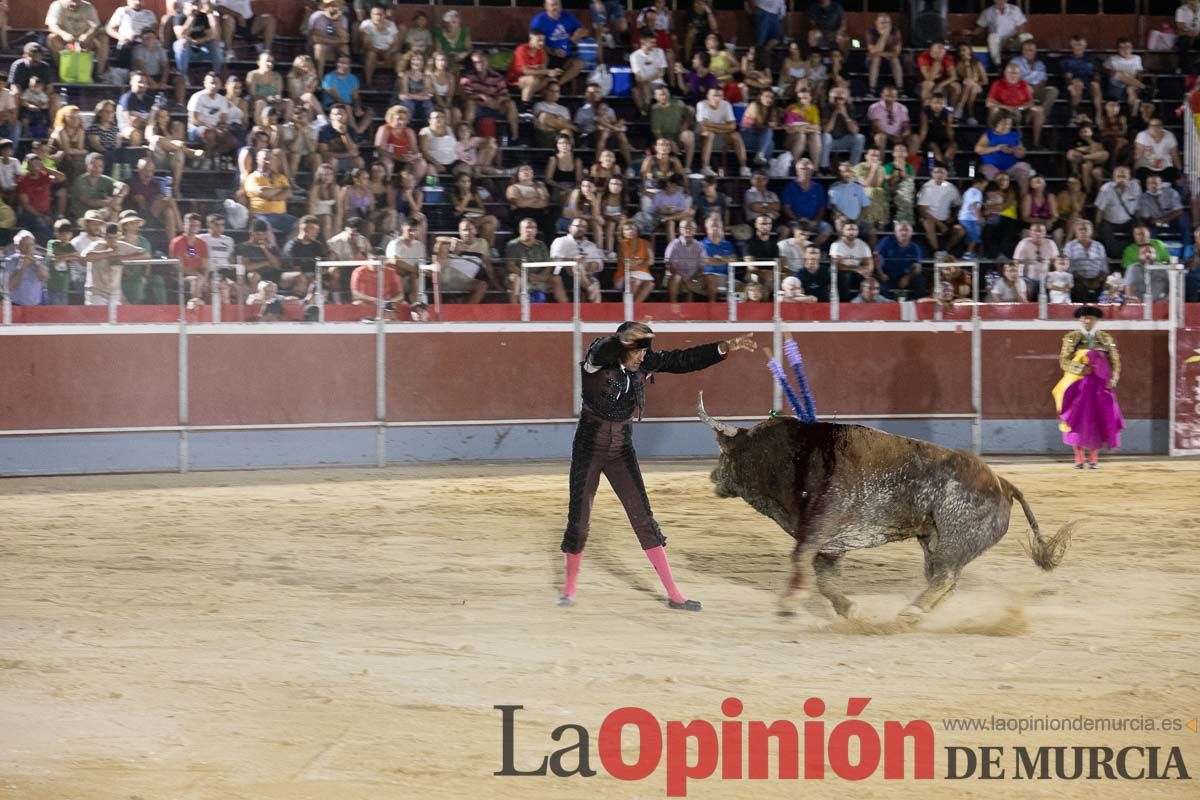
649	145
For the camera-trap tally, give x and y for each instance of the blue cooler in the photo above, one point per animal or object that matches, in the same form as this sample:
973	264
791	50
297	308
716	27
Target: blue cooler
622	78
738	110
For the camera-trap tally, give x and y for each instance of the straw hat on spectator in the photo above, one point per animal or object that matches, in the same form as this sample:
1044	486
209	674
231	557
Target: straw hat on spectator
93	215
128	216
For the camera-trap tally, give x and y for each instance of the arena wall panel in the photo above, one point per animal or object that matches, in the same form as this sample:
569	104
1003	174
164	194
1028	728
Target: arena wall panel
244	379
89	381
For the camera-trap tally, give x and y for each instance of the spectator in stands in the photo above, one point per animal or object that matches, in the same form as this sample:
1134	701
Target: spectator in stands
413	88
1060	281
938	75
531	198
192	252
898	260
95	190
1113	129
670	205
302	253
1000	151
649	64
1081	73
379	41
1140	276
208	120
1001	22
868	292
1187	30
711	202
935	204
1039	205
608	16
584	201
1070	203
485	96
146	197
802	121
1142	238
1116	206
1087	157
355	199
1160	208
634	259
550	117
792	247
562	31
104	135
396	145
25	273
659	165
103	259
719	253
469	202
768	22
1125	75
75	22
33	195
64	263
133	109
1009	287
684	259
419	38
696	84
528	248
407	254
701	23
884	43
341	85
717	127
197	37
849	202
670	119
936	134
611	210
804	203
763	245
1032	72
575	246
366	282
564	169
814	279
900	183
221	272
463	259
889	120
827	26
267	190
760	201
974	81
1001	217
1089	263
151	58
1156	152
453	39
1012	97
31	65
125	28
528	71
329	32
337	143
839	131
853	258
1034	255
238	17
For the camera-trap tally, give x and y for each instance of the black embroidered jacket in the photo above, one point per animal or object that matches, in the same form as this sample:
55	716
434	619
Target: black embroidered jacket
613	393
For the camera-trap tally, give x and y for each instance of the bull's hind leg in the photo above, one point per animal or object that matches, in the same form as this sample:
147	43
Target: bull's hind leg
828	567
941	574
797	591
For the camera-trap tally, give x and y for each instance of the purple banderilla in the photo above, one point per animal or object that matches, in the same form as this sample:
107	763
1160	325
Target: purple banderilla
803	406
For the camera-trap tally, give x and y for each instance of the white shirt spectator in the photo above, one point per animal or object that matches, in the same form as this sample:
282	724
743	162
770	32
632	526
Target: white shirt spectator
412	253
10	170
647	65
1160	154
940	200
721	114
1132	64
858	251
130	23
566	248
220	250
1059	286
1187	20
1117	208
1034	258
208	108
380	39
792	254
557	109
1001	24
240	7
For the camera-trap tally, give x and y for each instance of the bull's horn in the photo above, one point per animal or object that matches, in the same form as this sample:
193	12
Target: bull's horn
716	425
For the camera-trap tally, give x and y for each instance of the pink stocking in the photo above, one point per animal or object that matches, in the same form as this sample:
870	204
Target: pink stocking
572	561
658	557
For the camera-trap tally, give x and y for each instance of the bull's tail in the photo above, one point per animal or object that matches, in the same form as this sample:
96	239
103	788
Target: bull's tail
1046	553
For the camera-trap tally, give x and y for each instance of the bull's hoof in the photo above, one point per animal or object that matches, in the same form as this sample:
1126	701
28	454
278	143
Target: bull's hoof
566	602
849	611
911	615
791	602
686	605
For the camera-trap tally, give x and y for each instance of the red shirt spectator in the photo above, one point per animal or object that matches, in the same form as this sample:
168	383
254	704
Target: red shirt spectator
526	56
926	60
36	189
191	251
364	281
1012	95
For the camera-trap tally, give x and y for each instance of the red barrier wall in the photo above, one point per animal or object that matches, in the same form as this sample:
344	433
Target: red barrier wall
94	380
89	381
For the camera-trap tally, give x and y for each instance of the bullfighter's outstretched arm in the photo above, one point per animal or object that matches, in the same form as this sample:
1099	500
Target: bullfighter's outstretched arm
688	360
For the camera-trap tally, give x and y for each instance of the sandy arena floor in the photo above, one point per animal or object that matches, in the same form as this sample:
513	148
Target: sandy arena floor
344	634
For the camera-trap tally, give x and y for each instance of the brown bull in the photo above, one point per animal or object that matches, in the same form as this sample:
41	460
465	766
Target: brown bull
836	488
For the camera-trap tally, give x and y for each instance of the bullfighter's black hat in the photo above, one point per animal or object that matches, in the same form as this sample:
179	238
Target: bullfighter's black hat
1088	311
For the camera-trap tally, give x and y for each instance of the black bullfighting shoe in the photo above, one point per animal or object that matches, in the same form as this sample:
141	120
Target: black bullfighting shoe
686	605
